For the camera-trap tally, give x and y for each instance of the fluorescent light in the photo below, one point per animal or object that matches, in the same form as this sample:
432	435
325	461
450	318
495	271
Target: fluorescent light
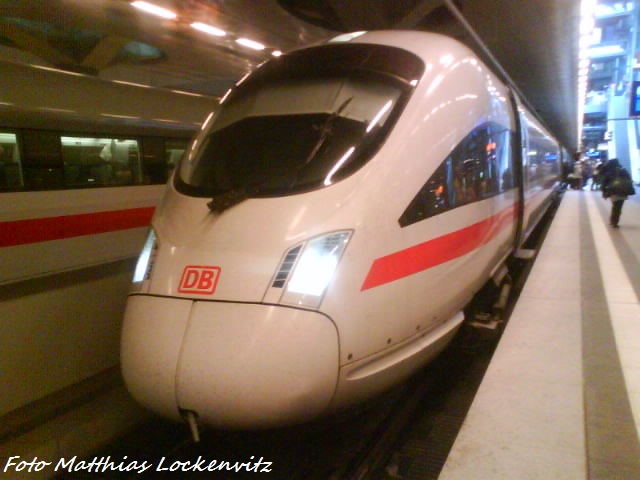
57	70
250	43
586	26
606	50
154	9
211	30
346	37
191	94
59	110
113	115
132	84
165	120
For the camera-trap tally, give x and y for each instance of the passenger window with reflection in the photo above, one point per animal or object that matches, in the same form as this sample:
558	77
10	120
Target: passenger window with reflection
42	163
543	164
479	167
161	156
11	177
100	162
174	149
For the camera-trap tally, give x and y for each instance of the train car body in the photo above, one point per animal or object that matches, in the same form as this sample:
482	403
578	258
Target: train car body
83	164
67	140
320	241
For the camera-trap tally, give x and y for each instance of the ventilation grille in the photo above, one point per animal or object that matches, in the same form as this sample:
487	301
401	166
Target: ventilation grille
286	266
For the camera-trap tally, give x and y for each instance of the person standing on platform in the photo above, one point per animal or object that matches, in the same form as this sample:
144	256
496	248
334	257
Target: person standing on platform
587	171
575	177
617	185
595	180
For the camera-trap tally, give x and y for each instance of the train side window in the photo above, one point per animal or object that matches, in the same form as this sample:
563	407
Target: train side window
42	163
433	197
477	168
161	156
543	162
503	160
153	163
11	177
499	160
100	161
174	149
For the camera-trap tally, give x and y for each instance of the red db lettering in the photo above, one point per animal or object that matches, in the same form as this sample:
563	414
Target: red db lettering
199	279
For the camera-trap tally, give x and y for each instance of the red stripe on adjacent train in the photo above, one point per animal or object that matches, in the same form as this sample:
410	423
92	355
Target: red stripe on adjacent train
437	251
21	232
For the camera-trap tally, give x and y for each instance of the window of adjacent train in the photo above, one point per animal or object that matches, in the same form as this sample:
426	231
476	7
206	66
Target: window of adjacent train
161	156
10	165
100	162
42	163
301	122
173	151
478	168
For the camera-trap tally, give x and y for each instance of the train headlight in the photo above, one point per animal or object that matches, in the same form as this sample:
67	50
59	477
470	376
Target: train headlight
315	263
142	272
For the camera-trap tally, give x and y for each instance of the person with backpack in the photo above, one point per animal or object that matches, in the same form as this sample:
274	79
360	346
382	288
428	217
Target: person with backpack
617	185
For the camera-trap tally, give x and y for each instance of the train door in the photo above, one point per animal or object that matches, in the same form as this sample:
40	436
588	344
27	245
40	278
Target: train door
519	159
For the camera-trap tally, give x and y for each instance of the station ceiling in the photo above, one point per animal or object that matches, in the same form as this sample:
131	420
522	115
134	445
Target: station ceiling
535	42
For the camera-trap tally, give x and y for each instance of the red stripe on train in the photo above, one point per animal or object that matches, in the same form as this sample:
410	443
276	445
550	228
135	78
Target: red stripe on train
21	232
437	251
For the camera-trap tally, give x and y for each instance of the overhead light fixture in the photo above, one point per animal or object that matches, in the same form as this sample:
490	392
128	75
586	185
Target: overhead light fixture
209	29
57	110
606	51
250	44
57	70
586	26
124	117
132	84
346	37
191	94
154	9
276	53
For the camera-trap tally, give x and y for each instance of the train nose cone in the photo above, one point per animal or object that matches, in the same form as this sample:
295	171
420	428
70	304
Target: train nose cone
243	365
246	366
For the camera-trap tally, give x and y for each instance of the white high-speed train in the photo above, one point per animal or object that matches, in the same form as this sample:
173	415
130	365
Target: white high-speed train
320	240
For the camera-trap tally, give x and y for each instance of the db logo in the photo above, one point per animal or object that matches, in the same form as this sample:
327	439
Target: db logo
199	279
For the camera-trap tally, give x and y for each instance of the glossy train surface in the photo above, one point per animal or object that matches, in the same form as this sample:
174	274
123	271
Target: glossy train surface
319	241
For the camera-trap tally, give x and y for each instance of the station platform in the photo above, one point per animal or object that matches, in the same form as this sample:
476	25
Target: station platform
561	397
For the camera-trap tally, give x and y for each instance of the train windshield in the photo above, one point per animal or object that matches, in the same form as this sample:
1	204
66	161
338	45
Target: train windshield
301	122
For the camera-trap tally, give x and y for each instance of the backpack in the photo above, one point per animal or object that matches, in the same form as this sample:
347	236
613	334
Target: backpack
621	184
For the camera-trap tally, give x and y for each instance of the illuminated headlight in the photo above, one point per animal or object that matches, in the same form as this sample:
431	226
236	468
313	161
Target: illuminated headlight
313	267
145	263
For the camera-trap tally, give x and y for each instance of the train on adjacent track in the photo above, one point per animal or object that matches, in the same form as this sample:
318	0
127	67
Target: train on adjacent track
83	164
320	239
65	141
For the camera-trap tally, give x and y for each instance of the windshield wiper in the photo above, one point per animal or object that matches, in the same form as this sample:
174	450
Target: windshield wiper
224	201
325	130
228	199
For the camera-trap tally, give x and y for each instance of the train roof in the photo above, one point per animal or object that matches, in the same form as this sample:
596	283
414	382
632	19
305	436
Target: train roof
42	97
